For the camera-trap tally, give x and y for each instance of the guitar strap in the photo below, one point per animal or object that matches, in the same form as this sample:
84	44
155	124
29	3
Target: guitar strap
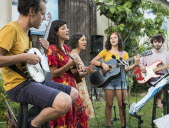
16	69
121	54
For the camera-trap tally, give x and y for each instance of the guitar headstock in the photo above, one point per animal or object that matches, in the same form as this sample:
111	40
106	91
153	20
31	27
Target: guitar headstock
47	25
146	53
49	21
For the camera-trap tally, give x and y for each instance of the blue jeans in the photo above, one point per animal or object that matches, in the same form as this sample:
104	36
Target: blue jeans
118	82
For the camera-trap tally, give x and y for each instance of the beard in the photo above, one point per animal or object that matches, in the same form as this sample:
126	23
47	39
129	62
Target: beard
157	47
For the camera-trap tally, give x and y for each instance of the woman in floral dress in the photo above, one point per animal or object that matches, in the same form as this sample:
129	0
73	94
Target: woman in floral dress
60	64
78	43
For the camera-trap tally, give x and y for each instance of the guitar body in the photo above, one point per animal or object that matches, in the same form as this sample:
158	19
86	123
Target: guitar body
143	78
38	71
100	78
76	74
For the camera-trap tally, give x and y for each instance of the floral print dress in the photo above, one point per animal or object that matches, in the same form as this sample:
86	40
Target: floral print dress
76	117
83	92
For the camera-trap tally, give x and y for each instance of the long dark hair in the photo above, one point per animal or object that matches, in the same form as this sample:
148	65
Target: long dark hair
73	42
120	43
52	37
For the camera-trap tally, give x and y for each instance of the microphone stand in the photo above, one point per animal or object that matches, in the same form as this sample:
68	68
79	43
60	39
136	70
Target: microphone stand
121	65
164	102
115	118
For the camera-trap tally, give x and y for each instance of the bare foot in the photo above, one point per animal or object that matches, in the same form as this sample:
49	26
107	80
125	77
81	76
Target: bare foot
159	104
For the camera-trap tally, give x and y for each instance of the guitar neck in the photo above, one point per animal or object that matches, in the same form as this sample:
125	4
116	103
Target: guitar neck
149	52
46	32
161	68
132	58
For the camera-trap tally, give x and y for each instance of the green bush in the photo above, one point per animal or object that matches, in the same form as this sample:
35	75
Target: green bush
127	17
2	104
3	107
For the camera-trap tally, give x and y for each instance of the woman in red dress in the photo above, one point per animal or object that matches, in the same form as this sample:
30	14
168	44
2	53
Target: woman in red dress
60	64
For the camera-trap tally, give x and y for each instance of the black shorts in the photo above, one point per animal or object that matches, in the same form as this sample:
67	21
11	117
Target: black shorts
39	94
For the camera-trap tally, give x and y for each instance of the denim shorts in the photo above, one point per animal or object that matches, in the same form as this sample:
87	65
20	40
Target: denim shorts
39	94
118	82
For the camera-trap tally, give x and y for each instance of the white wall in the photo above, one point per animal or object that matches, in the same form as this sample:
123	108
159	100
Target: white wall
6	11
102	25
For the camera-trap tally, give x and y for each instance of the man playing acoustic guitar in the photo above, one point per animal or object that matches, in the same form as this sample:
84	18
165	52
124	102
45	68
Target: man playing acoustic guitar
158	55
54	98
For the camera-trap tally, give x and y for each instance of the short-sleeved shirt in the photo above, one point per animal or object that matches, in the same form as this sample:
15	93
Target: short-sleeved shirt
160	56
58	59
15	41
106	55
115	83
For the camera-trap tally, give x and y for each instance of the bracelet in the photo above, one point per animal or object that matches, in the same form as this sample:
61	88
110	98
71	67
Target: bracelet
100	63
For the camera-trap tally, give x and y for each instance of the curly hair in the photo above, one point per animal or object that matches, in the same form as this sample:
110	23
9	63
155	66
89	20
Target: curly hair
120	43
159	38
25	5
52	37
73	42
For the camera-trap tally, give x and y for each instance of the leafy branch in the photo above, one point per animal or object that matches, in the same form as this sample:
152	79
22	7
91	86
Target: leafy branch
128	18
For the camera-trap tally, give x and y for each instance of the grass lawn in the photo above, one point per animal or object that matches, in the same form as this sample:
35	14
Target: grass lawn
99	120
132	122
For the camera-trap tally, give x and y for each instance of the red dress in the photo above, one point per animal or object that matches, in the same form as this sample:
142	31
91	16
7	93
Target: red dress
76	117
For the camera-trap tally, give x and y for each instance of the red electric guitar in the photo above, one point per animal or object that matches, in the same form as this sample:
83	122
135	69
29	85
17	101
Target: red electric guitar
150	72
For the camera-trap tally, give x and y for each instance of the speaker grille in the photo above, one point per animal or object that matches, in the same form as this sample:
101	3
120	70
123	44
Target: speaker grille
97	43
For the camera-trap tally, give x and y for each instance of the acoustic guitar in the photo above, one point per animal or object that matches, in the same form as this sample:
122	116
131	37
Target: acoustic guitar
100	78
75	71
